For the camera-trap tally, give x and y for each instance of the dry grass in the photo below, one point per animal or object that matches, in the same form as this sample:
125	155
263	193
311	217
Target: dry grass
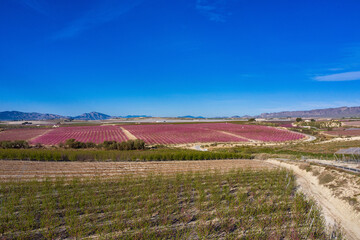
330	147
262	156
315	172
305	166
325	178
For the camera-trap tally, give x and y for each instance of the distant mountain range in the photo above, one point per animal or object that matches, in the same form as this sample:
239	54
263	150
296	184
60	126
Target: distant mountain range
324	113
189	116
92	116
23	116
15	115
134	116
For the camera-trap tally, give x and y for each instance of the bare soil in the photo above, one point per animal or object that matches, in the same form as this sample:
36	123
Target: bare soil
128	134
239	136
40	134
24	170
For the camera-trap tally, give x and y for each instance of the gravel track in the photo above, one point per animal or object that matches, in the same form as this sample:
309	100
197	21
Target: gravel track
334	209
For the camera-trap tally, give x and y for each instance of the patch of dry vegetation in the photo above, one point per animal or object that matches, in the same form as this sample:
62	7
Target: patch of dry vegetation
342	184
325	178
330	147
305	166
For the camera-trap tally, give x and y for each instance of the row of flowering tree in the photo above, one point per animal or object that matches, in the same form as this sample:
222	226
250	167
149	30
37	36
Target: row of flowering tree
155	134
95	134
210	132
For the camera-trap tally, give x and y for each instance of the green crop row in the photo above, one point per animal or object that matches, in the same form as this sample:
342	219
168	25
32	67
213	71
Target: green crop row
240	204
109	155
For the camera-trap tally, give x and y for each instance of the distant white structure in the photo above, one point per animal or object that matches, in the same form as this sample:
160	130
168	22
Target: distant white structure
260	119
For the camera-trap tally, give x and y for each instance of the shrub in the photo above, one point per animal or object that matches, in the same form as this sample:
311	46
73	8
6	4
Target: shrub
14	144
305	166
72	143
110	145
315	173
90	145
325	178
115	155
139	144
38	145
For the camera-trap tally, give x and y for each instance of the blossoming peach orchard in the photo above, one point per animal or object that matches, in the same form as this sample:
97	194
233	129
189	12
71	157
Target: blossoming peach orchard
155	133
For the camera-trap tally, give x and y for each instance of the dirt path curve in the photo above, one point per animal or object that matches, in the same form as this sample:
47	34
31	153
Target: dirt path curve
239	136
309	138
128	134
334	209
33	138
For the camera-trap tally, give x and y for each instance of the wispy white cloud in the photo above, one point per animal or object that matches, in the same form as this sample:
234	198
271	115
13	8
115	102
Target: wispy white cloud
335	69
337	77
108	11
213	9
37	5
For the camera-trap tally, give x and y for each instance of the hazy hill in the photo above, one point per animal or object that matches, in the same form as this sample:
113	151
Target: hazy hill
327	112
134	116
16	115
188	116
92	116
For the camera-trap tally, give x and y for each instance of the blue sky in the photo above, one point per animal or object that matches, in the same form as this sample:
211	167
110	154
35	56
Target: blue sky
172	58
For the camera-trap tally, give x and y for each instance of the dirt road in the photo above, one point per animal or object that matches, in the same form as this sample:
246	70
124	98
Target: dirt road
334	209
31	169
128	134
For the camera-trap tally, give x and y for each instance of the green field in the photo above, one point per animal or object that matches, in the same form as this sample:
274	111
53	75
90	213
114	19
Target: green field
240	204
115	155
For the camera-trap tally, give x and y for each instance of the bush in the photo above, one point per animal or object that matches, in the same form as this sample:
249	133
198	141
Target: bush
139	144
305	166
110	145
38	145
107	145
325	178
90	145
72	143
114	155
14	144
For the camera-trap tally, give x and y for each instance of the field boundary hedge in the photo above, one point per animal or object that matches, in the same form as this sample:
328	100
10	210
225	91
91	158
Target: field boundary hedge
103	155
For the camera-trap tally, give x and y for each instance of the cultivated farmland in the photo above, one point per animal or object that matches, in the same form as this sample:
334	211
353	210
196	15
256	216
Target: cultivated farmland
155	134
179	133
255	132
240	204
345	132
209	132
96	134
22	133
12	170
